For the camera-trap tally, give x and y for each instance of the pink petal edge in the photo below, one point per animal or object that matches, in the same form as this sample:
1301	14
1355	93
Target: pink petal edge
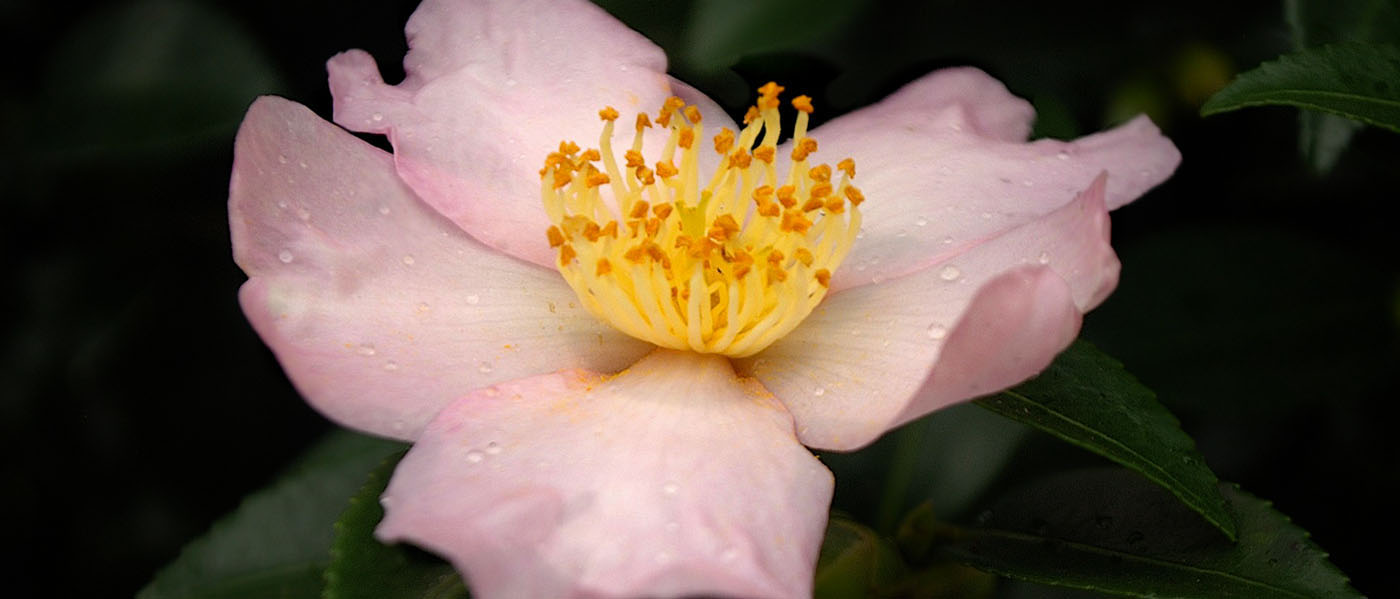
872	357
492	87
673	479
944	165
381	311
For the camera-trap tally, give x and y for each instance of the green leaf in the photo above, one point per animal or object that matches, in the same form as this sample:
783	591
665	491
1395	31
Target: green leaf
720	32
1357	81
1085	397
363	568
276	544
1108	530
855	561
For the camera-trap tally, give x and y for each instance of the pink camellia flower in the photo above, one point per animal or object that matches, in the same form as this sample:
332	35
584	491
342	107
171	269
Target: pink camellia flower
419	295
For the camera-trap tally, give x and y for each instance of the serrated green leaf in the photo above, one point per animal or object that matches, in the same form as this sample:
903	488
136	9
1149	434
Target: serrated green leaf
277	543
363	568
1357	81
854	561
1108	530
1085	397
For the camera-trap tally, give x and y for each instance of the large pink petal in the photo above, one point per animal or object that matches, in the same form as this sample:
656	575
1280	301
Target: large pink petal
380	310
875	356
673	479
492	86
942	172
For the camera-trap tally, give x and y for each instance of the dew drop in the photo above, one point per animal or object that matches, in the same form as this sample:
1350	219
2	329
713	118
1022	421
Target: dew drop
921	221
282	204
670	488
484	367
510	83
391	366
1043	258
900	233
408	261
475	456
423	307
1027	183
365	349
386	501
376	117
473	299
384	210
303	214
819	391
949	273
493	448
937	331
1062	155
947	240
282	159
285	256
301	164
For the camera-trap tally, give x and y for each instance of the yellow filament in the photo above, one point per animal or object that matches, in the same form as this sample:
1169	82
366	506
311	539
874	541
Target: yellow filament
726	268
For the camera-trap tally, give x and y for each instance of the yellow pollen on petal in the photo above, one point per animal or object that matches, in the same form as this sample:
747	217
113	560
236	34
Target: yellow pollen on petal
725	262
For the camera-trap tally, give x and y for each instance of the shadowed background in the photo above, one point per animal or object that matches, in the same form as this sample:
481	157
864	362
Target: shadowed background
1258	298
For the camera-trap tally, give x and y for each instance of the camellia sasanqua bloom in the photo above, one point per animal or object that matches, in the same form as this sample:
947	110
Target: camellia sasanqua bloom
770	303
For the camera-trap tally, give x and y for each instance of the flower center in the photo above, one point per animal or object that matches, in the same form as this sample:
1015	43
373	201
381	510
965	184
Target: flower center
727	268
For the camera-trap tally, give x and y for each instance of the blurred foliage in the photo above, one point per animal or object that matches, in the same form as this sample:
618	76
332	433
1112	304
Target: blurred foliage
1258	302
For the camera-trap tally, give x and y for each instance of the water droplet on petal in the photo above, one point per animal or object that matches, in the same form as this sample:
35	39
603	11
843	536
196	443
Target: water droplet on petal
510	83
1062	155
384	210
921	221
1028	183
900	233
391	366
475	456
408	260
670	488
365	349
473	299
947	241
937	331
949	273
282	159
819	391
303	214
484	367
285	256
493	448
386	501
1043	258
376	117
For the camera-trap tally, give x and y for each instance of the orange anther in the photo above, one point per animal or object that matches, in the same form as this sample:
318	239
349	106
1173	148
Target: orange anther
835	205
634	159
771	89
556	237
776	275
639	210
693	114
726	221
562	178
820	172
665	170
610	229
687	138
643	174
804	256
793	221
823	277
608	113
768	209
786	196
568	147
802	103
567	255
848	166
855	196
642	121
661	210
776	257
741	270
596	179
742	257
820	190
604	267
653	226
635	254
591	232
752	115
804	148
590	155
762	192
740	158
724	140
812	204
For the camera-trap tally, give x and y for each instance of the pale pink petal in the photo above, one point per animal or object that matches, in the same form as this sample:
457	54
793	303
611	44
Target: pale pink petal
674	479
492	87
381	311
941	175
875	356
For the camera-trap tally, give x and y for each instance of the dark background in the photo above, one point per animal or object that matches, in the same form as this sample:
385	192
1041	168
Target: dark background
1258	298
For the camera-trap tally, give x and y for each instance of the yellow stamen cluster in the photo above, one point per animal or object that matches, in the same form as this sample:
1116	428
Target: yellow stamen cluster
726	268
